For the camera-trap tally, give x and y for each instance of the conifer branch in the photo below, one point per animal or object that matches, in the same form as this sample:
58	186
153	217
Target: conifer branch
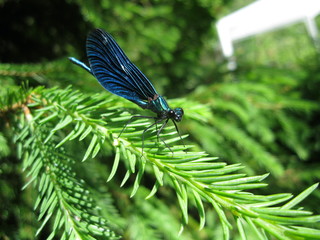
197	178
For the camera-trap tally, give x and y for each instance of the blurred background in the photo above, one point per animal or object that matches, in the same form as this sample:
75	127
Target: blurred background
263	114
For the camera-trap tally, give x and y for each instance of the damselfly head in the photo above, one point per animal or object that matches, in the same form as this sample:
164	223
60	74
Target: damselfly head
176	114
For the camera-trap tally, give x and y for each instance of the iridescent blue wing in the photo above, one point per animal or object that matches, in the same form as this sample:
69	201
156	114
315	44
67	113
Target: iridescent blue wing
115	71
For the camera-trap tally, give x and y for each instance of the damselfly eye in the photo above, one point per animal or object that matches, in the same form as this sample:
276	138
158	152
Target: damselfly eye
178	113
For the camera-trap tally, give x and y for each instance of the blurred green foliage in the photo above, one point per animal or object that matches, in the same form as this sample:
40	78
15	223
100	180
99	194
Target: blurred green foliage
264	115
